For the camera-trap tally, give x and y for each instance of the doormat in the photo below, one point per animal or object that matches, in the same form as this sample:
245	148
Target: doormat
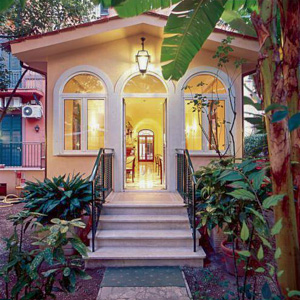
143	277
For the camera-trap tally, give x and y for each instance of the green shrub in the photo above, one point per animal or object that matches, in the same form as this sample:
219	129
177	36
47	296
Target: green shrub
42	272
256	145
62	197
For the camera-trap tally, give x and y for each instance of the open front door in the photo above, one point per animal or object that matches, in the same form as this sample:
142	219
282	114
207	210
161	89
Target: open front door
164	141
124	144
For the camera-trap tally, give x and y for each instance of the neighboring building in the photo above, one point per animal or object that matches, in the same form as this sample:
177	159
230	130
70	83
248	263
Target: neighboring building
97	97
22	137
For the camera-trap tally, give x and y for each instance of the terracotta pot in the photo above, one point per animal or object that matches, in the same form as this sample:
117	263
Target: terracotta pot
229	260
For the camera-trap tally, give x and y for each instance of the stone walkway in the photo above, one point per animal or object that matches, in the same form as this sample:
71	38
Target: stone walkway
143	283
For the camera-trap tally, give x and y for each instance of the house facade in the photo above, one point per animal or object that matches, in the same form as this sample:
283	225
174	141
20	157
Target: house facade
97	97
22	137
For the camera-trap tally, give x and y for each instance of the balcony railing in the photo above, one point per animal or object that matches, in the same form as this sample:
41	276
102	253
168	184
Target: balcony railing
31	80
13	78
23	154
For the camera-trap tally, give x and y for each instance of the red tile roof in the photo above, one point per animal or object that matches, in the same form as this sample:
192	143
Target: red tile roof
105	20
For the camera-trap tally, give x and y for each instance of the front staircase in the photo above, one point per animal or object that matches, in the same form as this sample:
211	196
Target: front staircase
144	229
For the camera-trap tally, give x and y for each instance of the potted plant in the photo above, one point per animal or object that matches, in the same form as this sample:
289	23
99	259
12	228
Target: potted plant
230	196
63	197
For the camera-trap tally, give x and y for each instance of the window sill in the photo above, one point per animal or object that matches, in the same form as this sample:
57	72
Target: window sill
207	154
84	154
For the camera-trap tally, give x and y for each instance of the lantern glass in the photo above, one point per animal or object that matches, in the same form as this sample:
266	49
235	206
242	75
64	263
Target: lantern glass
143	59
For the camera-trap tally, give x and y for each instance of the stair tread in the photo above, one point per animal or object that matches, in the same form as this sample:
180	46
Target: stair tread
143	205
146	253
143	218
144	234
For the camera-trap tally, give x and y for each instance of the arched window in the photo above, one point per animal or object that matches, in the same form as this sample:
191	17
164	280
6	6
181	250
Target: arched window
84	113
205	113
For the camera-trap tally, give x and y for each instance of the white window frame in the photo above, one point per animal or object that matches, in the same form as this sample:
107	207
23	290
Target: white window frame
228	116
84	120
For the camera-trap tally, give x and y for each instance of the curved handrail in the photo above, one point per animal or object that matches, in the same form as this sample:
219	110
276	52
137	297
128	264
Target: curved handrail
101	186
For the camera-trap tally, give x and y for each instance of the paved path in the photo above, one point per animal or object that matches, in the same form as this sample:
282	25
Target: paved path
143	283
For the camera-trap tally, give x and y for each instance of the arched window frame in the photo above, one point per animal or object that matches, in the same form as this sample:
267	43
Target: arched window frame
58	109
139	133
228	111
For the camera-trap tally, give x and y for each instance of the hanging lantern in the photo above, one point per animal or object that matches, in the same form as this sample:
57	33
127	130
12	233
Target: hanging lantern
143	58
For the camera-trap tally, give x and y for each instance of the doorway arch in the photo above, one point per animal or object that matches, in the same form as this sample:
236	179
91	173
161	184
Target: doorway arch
144	102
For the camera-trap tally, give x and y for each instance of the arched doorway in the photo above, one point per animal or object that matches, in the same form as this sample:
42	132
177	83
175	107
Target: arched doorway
146	145
144	121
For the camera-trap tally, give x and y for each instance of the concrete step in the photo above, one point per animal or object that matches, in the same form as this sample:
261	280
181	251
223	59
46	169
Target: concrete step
139	222
143	209
143	238
143	256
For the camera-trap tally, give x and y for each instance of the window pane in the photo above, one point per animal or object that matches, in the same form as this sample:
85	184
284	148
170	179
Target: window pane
72	129
144	84
193	132
204	84
216	124
84	83
96	124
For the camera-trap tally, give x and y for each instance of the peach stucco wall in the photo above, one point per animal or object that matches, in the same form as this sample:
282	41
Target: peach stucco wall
114	59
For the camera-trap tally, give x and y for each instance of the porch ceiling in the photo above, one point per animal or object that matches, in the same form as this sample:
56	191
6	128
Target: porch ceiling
35	50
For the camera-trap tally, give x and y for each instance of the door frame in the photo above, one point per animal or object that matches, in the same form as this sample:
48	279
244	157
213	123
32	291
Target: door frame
135	96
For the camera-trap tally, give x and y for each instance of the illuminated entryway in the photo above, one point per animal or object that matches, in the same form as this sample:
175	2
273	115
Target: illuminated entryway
144	117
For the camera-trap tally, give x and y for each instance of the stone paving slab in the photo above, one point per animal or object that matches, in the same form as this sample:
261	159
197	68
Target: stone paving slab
143	293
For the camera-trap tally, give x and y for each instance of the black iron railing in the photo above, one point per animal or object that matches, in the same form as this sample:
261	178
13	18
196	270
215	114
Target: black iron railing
101	185
23	154
186	187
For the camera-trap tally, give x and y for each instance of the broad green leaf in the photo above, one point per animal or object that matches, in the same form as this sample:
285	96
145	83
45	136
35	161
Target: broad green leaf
279	273
279	115
244	232
236	22
277	227
230	175
79	246
256	213
293	293
241	4
277	253
130	8
265	242
274	106
260	253
258	179
260	270
294	121
188	27
244	253
272	201
249	101
5	4
49	272
242	195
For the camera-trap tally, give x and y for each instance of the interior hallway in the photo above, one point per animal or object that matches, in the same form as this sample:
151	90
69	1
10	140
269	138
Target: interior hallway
146	177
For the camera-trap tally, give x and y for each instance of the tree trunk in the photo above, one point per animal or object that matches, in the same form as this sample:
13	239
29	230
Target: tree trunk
290	25
271	89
